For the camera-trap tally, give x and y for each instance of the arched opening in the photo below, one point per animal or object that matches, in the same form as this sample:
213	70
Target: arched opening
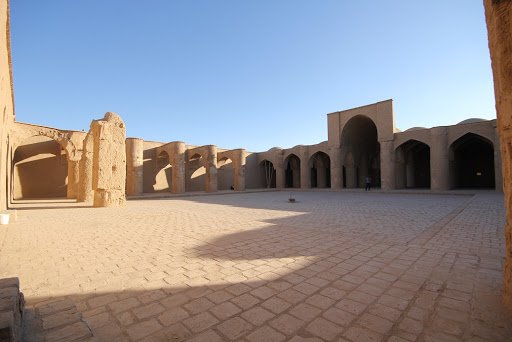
163	173
195	157
225	174
267	174
412	167
320	170
361	152
292	171
40	169
472	162
196	173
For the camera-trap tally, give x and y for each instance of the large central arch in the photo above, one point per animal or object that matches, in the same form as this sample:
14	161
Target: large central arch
360	152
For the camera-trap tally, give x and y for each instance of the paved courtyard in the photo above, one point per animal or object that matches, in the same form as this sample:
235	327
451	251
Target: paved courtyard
252	267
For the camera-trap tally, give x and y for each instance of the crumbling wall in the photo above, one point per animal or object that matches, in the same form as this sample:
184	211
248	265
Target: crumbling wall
499	25
109	161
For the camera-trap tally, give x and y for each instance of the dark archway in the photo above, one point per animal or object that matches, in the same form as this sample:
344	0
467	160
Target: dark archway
320	170
40	169
267	174
292	171
472	162
412	168
361	152
163	173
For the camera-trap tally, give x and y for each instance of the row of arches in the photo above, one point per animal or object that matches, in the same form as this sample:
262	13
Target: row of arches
198	169
319	171
470	159
471	163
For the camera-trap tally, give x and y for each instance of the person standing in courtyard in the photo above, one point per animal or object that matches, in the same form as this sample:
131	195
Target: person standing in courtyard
368	181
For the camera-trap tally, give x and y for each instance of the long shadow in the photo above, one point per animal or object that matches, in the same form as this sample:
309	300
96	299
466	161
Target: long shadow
42	200
52	207
47	203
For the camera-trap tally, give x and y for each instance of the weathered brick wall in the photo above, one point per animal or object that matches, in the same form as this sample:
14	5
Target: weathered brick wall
499	25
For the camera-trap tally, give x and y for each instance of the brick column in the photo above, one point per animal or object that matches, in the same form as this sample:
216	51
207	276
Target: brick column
134	166
211	169
439	159
387	165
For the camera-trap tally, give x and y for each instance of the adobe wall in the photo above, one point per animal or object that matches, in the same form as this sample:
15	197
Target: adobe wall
499	26
6	101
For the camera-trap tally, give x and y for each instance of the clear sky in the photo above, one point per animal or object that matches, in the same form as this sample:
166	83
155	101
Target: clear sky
254	73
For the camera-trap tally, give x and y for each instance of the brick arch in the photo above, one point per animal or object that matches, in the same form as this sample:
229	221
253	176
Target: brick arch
400	142
69	140
486	135
319	170
350	121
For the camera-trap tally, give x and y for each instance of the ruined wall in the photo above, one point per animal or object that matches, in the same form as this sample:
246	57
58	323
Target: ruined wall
109	161
499	25
6	101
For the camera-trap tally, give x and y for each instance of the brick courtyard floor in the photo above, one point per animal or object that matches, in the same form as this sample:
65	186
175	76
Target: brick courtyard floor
333	266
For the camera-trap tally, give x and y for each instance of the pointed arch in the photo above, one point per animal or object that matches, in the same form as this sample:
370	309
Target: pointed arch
472	162
320	170
292	171
359	141
412	165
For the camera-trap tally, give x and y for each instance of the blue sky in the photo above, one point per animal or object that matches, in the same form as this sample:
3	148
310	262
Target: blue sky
250	74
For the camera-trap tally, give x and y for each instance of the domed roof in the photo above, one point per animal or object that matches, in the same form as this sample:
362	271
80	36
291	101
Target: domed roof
415	129
472	120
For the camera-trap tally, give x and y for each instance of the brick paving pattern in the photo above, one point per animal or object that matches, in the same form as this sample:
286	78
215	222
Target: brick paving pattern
333	266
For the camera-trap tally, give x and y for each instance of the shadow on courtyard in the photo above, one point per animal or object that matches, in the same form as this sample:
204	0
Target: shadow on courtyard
289	265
